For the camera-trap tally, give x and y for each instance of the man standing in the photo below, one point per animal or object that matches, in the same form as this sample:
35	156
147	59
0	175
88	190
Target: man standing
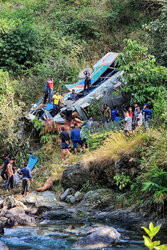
114	112
10	174
76	138
56	102
127	124
26	177
106	113
147	112
50	89
87	82
46	93
4	167
65	138
69	104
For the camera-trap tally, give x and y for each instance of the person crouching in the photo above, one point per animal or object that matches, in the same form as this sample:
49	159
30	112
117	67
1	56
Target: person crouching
26	177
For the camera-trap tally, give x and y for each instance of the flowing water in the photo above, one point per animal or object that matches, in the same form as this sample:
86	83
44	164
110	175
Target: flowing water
55	235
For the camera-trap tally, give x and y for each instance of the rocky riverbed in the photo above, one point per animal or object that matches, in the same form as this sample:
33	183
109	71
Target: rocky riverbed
70	209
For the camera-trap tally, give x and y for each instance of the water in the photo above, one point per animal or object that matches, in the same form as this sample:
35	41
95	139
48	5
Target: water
53	235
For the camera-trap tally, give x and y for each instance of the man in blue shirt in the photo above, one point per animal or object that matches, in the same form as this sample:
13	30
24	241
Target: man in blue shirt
26	177
73	95
114	112
76	138
147	112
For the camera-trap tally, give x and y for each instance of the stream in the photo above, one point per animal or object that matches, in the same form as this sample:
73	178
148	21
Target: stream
55	235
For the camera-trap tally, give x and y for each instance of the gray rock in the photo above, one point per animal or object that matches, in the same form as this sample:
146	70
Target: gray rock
72	200
17	216
75	176
64	195
68	197
78	196
42	201
3	222
98	238
3	246
57	215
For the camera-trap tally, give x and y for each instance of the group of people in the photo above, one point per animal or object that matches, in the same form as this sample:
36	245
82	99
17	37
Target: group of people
133	118
58	100
9	174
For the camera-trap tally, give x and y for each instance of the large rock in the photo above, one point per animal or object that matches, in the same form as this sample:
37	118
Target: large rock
75	176
98	238
3	222
3	246
98	172
42	201
17	216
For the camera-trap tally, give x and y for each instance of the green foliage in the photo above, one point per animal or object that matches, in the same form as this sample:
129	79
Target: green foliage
19	49
45	139
38	125
157	31
121	180
148	241
10	111
142	75
94	109
88	186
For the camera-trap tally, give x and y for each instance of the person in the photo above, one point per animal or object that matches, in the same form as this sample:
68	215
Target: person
26	177
76	138
73	95
127	124
10	174
65	138
69	104
56	103
106	113
87	82
117	121
135	114
114	112
130	112
5	163
90	124
62	101
139	118
46	93
147	112
50	89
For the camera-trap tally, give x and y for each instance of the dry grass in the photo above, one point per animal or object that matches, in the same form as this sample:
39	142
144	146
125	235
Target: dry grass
114	146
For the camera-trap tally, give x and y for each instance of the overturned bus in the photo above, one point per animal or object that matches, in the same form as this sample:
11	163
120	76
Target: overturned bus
105	86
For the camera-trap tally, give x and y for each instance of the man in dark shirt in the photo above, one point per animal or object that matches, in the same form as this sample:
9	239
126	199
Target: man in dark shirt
87	82
6	161
26	177
73	95
65	138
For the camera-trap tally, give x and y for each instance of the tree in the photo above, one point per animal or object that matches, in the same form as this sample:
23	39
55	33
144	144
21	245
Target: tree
142	75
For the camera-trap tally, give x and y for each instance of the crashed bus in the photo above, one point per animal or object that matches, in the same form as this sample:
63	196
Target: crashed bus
105	81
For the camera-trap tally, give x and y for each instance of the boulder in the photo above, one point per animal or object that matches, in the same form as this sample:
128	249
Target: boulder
75	176
42	201
3	246
78	196
17	216
99	237
57	215
3	222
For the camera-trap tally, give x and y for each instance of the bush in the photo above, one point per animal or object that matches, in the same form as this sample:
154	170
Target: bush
19	49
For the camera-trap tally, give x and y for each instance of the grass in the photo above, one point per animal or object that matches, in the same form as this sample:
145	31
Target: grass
114	146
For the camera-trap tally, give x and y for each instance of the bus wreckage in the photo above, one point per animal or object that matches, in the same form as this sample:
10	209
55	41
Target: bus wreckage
105	86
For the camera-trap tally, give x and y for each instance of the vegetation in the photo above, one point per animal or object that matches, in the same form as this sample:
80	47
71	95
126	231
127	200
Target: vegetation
43	38
152	232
